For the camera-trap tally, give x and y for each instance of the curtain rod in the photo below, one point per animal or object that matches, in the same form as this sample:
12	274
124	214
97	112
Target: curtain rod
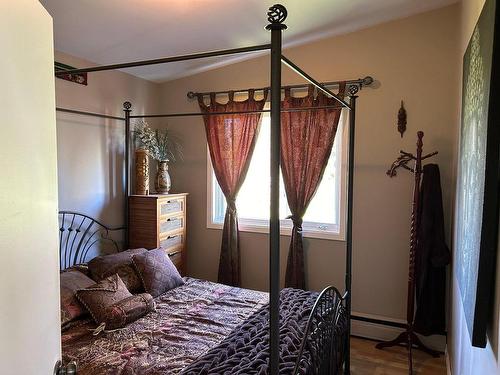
89	114
361	82
236	112
165	60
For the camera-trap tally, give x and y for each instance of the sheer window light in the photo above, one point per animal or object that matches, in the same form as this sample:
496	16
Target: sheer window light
325	216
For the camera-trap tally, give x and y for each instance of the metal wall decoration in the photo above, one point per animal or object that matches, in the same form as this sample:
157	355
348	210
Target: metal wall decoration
80	78
478	178
402	119
141	172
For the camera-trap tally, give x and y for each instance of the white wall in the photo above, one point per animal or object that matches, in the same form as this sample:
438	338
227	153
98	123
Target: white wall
29	279
465	359
91	150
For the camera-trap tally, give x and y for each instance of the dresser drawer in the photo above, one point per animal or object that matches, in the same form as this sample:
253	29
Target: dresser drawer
172	241
171	206
171	224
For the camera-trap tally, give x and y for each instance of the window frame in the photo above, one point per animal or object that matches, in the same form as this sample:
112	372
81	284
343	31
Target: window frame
335	232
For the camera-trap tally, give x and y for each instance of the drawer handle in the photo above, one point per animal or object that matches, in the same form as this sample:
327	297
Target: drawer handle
175	253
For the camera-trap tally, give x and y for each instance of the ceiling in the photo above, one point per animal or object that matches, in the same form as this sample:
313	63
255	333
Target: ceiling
114	31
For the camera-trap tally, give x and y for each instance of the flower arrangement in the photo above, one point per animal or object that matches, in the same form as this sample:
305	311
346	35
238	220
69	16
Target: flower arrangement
160	145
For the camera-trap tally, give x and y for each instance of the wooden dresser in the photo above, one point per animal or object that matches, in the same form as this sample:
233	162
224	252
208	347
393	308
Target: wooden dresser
159	221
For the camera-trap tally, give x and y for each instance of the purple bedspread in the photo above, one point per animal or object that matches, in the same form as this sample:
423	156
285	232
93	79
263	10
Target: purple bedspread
188	322
246	350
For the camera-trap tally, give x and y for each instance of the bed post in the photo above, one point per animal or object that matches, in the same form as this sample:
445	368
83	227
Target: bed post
127	109
276	15
353	90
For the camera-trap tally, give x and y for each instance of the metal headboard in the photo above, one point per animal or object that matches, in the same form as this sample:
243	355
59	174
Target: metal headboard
323	346
80	236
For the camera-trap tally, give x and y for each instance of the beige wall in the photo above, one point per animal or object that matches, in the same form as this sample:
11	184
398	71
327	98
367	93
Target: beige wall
91	150
29	284
414	59
465	359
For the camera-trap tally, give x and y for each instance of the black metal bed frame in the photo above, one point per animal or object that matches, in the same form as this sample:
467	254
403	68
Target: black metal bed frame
317	326
323	346
79	235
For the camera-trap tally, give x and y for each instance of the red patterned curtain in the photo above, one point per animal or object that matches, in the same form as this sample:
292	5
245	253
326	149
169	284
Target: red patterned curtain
231	141
306	143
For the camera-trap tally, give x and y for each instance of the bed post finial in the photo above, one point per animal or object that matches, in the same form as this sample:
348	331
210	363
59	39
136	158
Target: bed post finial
276	16
127	106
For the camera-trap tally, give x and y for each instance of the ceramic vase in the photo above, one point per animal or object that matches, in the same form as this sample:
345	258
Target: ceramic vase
162	180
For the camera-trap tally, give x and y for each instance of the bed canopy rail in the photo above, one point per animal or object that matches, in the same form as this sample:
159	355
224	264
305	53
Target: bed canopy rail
165	60
92	114
276	16
311	80
188	114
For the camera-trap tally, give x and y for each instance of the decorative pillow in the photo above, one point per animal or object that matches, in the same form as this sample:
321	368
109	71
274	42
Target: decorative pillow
128	310
157	272
71	280
121	263
99	297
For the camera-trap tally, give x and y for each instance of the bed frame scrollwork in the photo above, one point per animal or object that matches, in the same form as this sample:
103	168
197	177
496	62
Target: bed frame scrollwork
81	237
323	347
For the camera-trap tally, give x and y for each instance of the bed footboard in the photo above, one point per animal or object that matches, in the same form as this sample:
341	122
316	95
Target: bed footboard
325	339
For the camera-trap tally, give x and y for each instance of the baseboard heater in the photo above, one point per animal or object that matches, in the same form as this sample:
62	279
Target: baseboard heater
384	322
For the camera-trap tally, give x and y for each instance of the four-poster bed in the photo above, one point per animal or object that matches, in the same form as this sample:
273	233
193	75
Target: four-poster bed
331	314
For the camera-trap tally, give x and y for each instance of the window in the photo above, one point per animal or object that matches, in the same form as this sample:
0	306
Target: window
325	216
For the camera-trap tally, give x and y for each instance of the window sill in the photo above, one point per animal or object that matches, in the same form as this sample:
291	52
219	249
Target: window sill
284	231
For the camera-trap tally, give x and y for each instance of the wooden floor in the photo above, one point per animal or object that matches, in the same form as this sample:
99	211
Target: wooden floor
367	360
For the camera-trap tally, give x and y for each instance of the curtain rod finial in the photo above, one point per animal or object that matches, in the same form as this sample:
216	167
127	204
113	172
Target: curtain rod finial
368	80
191	95
353	90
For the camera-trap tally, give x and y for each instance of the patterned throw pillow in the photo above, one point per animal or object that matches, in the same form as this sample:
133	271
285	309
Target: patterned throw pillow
158	273
72	280
121	263
128	310
99	297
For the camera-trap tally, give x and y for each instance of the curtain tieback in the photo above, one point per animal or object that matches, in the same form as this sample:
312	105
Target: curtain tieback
297	221
231	205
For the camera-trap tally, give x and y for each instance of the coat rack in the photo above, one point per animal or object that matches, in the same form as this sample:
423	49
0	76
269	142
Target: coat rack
408	337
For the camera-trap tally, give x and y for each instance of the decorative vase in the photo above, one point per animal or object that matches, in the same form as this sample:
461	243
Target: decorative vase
162	180
141	172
